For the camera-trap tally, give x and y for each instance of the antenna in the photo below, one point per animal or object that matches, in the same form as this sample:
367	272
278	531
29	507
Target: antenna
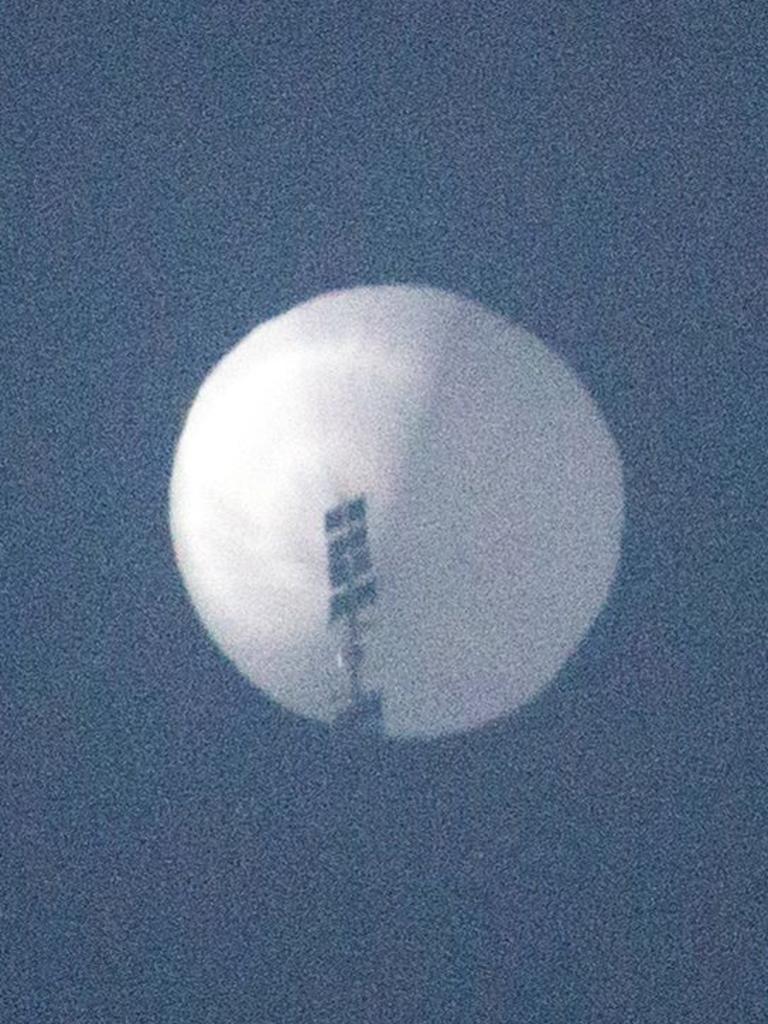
353	594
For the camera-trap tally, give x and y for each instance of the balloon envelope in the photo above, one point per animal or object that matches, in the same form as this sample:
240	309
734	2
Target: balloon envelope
494	504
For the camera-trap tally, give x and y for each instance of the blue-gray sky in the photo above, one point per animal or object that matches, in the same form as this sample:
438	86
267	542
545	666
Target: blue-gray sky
175	848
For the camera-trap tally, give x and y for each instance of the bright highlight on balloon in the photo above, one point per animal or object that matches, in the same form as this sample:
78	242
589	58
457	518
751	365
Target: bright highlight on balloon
493	494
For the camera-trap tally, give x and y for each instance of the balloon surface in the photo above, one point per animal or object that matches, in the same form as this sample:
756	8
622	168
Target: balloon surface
495	504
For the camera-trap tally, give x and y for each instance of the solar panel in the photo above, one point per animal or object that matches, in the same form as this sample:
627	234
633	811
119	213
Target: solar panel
358	537
347	542
338	572
361	562
356	510
347	513
334	519
365	595
341	605
353	591
349	560
337	549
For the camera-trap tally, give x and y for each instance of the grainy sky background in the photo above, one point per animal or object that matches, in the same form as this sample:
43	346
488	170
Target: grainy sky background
175	848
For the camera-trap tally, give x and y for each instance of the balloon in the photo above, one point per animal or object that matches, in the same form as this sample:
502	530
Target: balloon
494	497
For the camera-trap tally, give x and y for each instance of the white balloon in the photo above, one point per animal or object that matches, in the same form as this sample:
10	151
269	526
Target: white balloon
494	492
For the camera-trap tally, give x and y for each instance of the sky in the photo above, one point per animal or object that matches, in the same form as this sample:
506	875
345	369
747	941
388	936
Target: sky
177	848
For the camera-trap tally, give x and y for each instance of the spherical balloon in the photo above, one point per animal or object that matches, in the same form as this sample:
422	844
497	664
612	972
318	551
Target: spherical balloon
494	495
